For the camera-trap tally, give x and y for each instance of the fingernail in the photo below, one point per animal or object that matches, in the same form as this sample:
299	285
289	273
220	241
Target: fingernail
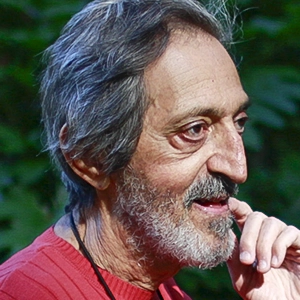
274	260
245	256
262	264
254	265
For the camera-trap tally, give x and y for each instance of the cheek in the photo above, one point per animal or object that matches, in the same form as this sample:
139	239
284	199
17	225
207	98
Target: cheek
173	173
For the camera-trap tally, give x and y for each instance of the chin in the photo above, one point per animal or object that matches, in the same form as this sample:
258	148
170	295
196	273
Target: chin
189	246
209	254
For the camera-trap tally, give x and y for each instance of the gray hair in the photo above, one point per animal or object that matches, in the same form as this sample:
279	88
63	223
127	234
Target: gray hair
93	81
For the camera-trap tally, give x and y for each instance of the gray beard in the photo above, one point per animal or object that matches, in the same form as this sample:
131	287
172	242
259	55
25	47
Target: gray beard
159	223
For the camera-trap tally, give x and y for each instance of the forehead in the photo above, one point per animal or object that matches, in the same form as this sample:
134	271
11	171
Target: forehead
194	74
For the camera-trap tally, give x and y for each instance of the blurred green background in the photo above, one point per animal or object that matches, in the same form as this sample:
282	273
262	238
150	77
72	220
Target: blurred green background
267	53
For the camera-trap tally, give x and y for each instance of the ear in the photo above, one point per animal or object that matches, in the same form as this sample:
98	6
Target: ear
83	169
88	173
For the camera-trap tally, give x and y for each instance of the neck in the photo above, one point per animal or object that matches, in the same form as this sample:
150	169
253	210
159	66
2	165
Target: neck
107	242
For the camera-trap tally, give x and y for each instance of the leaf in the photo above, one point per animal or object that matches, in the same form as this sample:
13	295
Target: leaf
27	219
266	116
11	141
30	171
252	138
270	26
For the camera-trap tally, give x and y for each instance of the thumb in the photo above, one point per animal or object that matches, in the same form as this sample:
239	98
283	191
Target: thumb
244	278
233	263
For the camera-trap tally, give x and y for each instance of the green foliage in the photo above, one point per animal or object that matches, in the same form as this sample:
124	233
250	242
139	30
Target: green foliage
31	197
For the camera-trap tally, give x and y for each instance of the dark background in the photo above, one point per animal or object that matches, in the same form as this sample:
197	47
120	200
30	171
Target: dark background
267	53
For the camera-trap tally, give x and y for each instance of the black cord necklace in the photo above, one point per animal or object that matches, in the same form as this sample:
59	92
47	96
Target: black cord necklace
90	259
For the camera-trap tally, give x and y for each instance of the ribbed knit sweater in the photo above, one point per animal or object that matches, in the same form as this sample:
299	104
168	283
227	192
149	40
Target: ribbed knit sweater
51	268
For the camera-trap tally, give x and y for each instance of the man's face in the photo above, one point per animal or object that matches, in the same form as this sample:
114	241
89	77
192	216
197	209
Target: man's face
174	193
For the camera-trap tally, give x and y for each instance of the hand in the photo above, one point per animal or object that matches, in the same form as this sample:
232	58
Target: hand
276	249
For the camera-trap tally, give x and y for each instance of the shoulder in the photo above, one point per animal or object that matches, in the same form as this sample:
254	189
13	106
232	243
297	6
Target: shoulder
47	249
43	270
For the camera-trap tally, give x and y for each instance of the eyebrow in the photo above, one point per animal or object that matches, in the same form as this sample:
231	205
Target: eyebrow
202	111
245	105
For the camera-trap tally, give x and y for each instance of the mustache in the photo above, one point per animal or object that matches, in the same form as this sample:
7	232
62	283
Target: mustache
210	188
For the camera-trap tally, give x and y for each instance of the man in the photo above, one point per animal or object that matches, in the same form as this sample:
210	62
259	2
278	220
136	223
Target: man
144	113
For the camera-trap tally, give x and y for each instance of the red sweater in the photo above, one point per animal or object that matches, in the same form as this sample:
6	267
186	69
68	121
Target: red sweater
51	268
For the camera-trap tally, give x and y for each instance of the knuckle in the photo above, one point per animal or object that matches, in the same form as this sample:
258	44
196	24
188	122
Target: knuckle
258	215
292	229
272	221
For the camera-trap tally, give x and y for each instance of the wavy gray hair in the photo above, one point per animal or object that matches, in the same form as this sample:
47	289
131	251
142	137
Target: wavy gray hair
93	81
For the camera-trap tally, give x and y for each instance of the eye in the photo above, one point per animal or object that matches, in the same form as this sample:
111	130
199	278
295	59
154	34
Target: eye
240	122
194	132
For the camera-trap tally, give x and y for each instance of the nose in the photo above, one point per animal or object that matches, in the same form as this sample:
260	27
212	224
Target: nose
229	157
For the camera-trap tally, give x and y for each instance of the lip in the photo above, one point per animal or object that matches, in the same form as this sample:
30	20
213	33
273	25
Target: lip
212	206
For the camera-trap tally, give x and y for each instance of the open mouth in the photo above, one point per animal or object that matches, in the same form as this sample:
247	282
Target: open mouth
212	205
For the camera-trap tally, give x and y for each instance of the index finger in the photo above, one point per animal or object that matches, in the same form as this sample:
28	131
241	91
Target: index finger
240	210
